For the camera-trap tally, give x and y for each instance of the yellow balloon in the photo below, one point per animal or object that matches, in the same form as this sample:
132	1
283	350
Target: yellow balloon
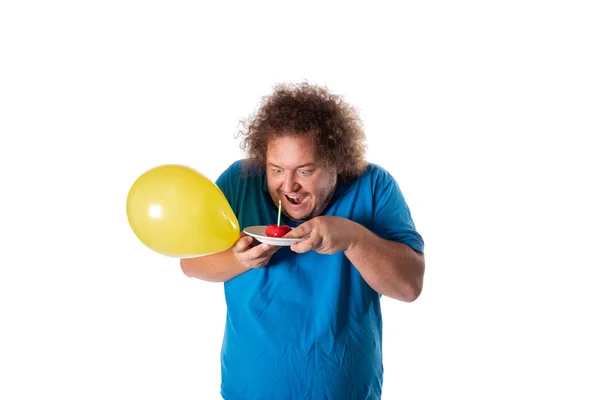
178	212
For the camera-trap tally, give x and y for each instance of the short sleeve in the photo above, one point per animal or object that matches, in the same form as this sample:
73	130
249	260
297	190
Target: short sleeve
392	219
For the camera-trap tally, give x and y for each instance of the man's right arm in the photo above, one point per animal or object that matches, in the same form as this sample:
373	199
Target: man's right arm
217	267
226	265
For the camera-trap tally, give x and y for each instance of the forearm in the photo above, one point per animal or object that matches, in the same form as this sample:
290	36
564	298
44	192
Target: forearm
392	269
218	267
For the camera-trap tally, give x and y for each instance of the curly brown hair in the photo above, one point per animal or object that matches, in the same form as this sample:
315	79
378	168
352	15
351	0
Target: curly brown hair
298	109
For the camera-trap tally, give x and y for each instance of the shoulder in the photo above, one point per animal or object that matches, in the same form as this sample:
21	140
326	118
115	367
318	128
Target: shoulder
240	176
374	176
240	169
377	171
377	182
234	168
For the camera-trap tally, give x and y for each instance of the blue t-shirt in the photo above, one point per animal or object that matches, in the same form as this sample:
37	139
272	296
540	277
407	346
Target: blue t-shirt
307	326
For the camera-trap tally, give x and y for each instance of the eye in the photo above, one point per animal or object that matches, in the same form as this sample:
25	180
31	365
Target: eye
276	171
305	172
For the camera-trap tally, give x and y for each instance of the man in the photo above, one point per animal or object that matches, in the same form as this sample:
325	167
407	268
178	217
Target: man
304	322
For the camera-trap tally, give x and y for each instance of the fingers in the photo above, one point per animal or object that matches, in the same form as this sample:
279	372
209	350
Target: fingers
257	253
306	229
311	243
302	230
242	244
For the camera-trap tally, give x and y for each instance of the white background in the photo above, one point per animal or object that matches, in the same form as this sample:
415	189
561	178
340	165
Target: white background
485	113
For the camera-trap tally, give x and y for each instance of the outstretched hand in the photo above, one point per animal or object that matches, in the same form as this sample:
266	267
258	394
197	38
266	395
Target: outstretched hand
326	235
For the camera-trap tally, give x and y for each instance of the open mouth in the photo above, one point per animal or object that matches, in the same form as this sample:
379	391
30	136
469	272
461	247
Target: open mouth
294	199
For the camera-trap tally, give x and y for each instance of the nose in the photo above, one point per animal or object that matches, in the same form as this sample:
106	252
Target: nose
289	182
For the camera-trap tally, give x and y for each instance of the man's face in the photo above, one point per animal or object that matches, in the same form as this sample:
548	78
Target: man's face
297	177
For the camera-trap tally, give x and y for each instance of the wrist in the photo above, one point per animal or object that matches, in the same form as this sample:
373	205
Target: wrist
356	234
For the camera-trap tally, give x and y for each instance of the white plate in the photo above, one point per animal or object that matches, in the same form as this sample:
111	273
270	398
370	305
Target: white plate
258	232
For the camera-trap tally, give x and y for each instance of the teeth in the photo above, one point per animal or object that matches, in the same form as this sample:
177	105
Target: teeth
294	199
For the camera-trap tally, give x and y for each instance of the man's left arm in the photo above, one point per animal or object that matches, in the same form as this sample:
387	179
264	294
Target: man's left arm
391	268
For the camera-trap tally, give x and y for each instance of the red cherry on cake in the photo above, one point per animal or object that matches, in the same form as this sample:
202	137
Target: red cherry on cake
277	231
